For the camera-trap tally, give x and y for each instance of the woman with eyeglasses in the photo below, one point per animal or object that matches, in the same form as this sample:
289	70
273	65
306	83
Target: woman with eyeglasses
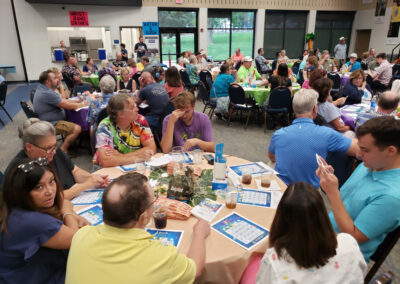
304	248
36	223
39	140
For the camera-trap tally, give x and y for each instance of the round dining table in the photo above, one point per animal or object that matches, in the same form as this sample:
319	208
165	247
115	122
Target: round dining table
261	94
225	260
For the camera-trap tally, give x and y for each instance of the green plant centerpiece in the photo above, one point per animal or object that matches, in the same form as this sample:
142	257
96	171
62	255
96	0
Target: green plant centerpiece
184	185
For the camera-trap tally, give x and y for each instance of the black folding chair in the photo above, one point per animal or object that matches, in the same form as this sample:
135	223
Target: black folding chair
295	68
239	102
83	87
28	110
205	97
157	131
336	84
3	95
209	83
280	102
70	84
382	252
203	75
186	80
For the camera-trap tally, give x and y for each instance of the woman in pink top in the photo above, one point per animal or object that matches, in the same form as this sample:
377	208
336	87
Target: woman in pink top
173	82
237	57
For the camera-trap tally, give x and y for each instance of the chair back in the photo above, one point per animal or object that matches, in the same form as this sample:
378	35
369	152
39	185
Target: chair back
238	65
336	80
258	66
28	109
236	94
382	252
102	115
204	94
3	92
364	66
295	68
204	75
136	78
396	70
280	98
32	95
68	81
168	109
81	88
185	79
209	82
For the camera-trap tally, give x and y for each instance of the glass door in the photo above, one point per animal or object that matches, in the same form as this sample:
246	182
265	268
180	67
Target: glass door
169	48
187	42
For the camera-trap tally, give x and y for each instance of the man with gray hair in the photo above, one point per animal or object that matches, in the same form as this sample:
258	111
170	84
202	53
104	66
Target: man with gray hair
119	62
387	105
107	70
326	63
293	148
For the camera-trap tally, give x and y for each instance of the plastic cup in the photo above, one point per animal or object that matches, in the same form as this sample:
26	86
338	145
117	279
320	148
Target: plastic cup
231	198
140	166
266	180
177	154
160	217
246	176
198	156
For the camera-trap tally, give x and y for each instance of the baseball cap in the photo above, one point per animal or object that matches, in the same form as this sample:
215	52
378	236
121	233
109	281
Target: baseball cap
342	38
353	55
247	59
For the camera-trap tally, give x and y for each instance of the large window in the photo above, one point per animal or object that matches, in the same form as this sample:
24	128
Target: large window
229	30
284	30
330	26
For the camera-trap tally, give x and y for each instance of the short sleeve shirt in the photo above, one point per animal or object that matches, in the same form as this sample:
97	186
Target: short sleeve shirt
173	91
372	200
295	147
243	72
328	112
105	254
45	104
347	266
109	135
384	71
220	87
121	63
124	52
274	81
192	72
96	107
156	97
22	257
70	71
141	49
200	128
355	66
261	61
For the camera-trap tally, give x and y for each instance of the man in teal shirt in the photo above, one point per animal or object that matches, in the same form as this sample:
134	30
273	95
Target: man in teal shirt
367	205
247	69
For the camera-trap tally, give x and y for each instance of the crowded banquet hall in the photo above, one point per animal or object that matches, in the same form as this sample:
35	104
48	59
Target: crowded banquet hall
186	141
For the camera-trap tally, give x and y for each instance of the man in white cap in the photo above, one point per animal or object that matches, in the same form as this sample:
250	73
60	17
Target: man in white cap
247	69
340	52
353	64
204	58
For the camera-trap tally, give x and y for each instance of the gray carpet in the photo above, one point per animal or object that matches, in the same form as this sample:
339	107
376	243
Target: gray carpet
251	145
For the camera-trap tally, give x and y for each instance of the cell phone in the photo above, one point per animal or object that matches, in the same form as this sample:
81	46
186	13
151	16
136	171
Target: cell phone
320	163
209	158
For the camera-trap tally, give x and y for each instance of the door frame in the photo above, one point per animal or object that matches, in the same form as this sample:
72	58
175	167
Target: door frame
178	32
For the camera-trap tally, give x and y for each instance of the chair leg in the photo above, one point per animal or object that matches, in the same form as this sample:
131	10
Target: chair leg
265	121
229	115
211	112
2	122
205	106
248	118
9	116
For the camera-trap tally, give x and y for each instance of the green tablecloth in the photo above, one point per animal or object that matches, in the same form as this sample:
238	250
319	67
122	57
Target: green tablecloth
260	95
93	79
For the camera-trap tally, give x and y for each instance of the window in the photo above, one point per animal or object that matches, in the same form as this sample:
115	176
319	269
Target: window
229	30
177	19
330	26
284	30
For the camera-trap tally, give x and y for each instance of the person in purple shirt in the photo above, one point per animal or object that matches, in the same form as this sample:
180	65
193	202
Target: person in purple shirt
187	127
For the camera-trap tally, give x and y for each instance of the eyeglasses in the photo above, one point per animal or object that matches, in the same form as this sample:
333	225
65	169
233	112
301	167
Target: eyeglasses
47	150
155	199
27	167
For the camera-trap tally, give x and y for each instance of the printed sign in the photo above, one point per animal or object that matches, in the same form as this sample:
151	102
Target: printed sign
78	18
150	28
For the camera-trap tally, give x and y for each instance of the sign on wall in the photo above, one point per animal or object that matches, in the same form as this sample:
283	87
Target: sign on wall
151	38
78	18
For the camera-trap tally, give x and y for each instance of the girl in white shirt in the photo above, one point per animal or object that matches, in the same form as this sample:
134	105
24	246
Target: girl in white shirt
304	248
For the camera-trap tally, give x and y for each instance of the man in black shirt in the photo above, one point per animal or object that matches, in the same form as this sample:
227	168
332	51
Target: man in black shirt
140	48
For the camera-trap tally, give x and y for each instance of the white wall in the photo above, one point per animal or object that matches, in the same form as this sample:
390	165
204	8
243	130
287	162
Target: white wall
365	20
33	19
202	24
259	30
9	49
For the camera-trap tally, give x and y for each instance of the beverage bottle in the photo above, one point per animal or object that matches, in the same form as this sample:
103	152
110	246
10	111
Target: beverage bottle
383	278
373	104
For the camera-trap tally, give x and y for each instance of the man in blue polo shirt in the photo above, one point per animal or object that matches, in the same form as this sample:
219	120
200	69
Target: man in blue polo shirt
294	147
367	205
